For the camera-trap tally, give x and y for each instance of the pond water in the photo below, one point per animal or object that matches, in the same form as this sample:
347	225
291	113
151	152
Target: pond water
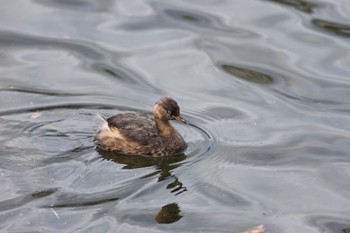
265	85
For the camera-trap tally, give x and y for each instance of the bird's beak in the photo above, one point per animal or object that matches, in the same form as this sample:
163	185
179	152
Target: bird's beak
179	118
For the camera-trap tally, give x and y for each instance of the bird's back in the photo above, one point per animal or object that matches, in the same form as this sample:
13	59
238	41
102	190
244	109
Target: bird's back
135	127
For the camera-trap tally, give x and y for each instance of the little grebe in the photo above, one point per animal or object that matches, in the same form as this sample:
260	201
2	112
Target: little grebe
144	134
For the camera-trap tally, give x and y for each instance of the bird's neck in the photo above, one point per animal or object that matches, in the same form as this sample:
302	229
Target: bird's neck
165	129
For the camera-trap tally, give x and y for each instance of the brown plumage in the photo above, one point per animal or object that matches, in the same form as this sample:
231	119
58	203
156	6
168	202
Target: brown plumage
144	134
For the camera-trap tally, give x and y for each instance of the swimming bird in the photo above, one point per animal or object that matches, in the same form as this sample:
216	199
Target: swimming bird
142	133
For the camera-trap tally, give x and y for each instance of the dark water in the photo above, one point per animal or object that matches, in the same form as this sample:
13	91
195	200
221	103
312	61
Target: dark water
264	83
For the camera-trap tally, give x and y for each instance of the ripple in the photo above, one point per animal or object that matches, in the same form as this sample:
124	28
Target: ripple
170	16
188	17
332	27
38	91
93	57
218	112
56	106
76	201
304	6
86	49
113	72
331	223
202	20
248	74
24	199
209	140
33	128
76	4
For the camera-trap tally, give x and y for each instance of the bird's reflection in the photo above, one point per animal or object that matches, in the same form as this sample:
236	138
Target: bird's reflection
164	165
169	213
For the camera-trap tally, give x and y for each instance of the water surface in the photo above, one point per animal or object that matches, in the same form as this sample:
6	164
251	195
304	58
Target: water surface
264	83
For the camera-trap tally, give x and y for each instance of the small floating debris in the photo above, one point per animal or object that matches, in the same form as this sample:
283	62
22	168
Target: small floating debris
36	115
55	213
257	229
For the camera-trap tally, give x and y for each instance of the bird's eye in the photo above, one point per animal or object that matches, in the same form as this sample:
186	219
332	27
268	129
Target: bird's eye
169	112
